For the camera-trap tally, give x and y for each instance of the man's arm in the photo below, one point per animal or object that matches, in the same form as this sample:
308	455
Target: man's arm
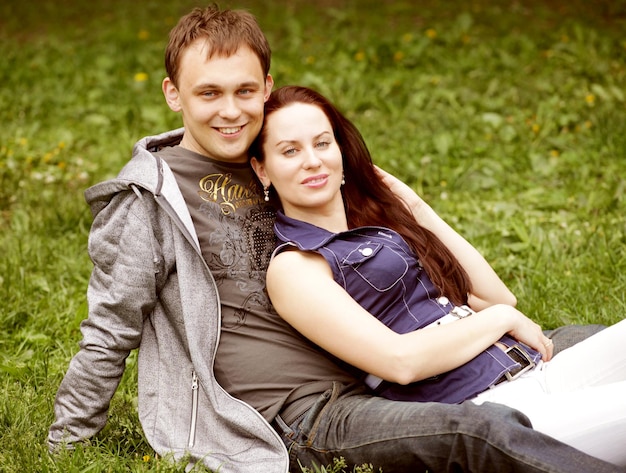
121	294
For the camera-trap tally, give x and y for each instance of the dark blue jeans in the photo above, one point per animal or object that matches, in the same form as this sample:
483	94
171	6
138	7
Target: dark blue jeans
412	437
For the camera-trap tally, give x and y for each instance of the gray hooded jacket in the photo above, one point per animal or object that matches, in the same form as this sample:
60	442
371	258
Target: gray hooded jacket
151	289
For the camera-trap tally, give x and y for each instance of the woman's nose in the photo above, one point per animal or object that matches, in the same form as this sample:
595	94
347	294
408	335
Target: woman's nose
311	159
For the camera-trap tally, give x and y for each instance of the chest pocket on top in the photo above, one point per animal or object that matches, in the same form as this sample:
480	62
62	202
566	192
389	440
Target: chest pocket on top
380	266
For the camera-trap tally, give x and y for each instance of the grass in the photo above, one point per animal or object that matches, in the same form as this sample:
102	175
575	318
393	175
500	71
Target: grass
508	117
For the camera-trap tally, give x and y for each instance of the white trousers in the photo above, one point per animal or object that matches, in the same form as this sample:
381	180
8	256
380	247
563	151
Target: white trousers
579	397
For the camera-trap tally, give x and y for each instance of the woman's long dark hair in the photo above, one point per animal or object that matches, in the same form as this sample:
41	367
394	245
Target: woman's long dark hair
367	200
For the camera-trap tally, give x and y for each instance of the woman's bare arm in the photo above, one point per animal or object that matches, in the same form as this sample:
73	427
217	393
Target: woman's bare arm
304	293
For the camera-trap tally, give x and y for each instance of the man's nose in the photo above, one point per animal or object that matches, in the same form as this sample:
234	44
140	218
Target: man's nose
229	108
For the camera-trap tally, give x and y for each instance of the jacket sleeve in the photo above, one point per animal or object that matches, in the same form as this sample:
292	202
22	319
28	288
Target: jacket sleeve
121	293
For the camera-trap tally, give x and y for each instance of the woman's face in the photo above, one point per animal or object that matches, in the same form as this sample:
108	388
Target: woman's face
302	160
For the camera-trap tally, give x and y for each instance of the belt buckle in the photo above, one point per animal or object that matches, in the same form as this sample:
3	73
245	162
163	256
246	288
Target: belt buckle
461	311
518	354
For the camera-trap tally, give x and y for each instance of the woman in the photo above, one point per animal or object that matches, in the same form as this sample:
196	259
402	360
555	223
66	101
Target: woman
363	263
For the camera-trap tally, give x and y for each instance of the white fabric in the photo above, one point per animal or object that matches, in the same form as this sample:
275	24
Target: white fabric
579	397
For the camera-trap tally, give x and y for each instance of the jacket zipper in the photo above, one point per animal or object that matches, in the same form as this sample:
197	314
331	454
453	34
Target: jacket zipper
194	409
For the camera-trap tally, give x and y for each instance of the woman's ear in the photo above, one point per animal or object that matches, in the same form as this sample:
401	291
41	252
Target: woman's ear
259	170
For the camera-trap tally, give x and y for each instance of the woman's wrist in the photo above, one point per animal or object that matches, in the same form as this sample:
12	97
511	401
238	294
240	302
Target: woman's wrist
501	317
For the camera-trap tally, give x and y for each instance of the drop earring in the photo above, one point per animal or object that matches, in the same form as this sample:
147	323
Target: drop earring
266	193
343	179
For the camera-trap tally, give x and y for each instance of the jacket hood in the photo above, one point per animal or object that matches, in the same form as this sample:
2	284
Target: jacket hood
144	170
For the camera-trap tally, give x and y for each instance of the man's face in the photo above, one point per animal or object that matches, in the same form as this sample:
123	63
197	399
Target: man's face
221	100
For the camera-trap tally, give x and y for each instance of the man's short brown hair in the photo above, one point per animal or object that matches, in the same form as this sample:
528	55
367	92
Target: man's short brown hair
224	31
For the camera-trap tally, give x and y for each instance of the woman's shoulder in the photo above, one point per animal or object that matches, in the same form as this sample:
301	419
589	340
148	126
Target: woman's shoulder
293	262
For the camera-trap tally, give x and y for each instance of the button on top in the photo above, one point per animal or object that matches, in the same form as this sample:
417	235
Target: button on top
367	251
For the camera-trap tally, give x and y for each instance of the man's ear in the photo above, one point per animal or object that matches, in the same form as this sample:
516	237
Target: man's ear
171	95
259	170
269	84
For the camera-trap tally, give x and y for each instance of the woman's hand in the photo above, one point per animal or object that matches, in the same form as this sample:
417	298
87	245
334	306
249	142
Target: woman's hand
525	330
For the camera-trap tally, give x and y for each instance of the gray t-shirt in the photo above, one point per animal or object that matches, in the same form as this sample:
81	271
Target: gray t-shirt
261	359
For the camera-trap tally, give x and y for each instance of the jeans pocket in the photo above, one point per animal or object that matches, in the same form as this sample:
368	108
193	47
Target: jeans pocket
307	426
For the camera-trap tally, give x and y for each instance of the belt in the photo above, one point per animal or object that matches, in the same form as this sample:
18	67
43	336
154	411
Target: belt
459	312
518	354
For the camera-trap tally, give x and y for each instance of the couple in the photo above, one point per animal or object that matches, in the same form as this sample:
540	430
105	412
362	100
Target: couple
181	241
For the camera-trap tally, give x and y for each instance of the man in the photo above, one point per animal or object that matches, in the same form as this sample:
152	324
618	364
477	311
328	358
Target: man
180	242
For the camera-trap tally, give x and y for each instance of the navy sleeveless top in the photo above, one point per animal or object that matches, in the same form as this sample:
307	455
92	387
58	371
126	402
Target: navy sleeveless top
380	271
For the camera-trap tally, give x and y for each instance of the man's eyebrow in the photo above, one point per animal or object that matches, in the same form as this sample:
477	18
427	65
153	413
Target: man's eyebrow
211	85
251	83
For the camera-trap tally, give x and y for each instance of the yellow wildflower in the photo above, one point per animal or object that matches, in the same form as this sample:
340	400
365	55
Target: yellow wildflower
431	33
23	141
407	37
141	77
590	99
146	458
143	34
359	56
310	59
555	153
398	56
536	128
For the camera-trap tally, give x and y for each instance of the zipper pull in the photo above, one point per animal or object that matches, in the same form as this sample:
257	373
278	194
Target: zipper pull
194	410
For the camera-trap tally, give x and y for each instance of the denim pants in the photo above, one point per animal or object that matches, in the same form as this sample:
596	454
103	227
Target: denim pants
412	437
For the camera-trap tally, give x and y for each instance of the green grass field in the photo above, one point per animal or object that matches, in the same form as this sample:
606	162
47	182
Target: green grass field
508	117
